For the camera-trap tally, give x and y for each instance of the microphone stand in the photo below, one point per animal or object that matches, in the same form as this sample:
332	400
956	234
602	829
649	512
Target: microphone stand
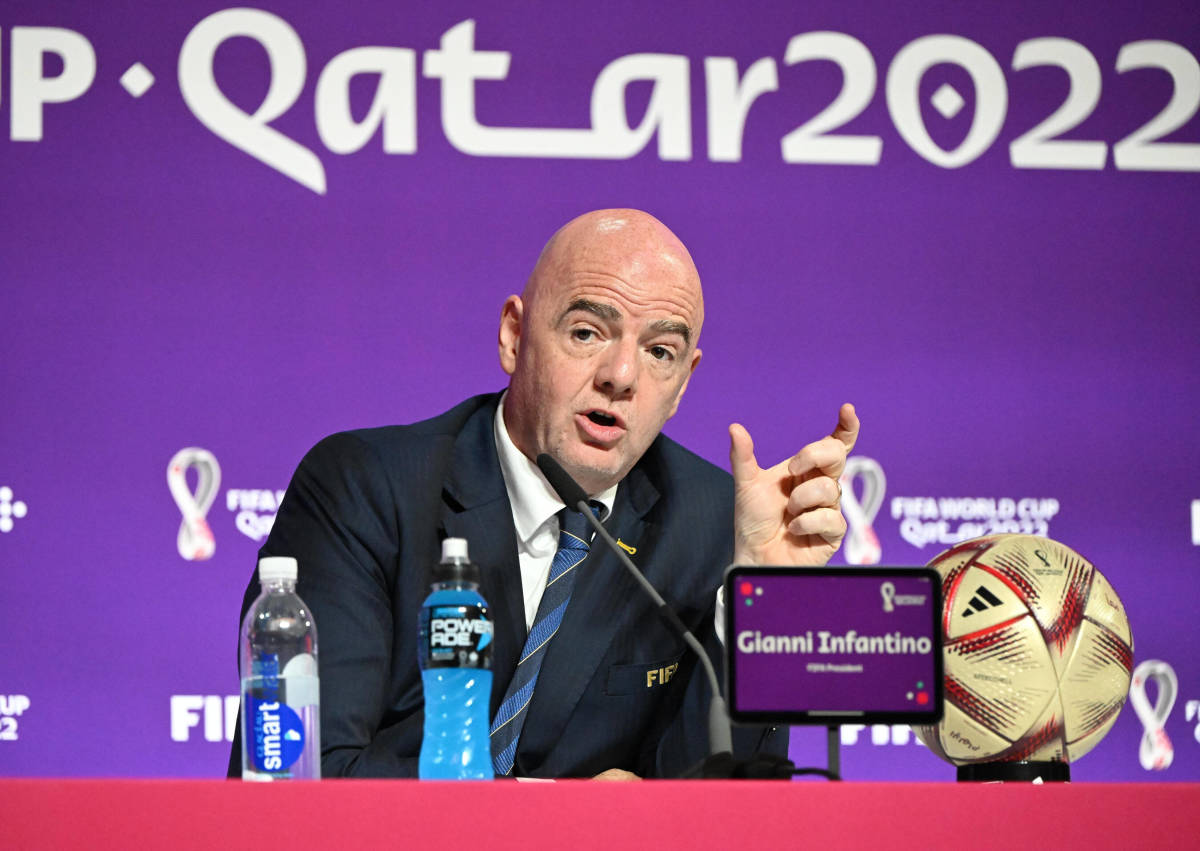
720	763
720	738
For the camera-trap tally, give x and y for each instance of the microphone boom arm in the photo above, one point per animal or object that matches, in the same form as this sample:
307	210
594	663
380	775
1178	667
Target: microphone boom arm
720	739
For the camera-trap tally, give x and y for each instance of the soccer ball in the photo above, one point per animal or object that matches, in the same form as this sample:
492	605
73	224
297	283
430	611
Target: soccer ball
1037	653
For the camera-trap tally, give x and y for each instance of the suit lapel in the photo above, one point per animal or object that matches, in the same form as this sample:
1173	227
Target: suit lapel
475	506
600	598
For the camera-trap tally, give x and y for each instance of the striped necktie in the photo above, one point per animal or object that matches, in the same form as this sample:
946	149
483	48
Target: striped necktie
575	532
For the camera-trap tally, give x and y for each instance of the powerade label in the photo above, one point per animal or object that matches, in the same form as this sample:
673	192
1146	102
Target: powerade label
455	637
278	735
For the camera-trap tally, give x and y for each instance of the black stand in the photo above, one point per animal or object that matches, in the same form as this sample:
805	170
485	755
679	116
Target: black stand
722	766
1015	772
765	766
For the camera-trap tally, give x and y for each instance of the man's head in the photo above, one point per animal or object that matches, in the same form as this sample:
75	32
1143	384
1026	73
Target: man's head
601	344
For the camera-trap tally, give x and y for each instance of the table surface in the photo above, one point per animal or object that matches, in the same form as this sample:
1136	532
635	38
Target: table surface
184	814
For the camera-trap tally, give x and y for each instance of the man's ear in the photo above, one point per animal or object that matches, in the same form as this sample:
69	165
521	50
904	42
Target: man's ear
691	369
510	332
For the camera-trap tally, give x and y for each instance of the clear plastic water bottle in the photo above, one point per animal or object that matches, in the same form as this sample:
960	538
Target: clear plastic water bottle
281	695
455	655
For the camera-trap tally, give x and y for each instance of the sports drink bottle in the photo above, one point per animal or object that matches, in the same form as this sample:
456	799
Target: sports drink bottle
455	655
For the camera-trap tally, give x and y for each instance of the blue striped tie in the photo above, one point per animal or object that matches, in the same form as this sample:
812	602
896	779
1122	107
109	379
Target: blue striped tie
573	537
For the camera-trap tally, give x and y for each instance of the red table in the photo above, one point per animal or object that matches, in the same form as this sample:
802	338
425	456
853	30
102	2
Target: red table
216	814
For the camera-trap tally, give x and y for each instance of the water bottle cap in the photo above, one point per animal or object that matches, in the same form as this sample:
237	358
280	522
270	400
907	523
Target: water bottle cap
454	549
275	568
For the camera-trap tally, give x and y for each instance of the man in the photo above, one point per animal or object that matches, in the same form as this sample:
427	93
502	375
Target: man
599	349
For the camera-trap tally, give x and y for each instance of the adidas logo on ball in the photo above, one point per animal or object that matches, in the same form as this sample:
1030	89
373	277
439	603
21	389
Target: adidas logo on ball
983	600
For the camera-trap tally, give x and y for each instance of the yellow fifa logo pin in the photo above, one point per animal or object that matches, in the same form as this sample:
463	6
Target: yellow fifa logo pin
626	547
660	676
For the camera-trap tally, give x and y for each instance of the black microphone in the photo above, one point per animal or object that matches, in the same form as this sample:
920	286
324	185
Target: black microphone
720	739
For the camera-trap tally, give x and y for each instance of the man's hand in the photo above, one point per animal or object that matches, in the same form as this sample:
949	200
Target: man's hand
790	514
618	775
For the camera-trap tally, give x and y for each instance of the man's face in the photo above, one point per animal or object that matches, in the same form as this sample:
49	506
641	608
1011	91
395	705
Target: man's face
601	348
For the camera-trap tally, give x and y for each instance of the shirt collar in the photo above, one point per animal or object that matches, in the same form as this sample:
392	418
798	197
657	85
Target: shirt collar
533	500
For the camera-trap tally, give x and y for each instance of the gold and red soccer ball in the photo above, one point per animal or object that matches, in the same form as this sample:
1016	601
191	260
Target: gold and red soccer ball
1038	652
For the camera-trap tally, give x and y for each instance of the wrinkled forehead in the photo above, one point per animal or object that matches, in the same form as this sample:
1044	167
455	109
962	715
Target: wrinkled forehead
625	255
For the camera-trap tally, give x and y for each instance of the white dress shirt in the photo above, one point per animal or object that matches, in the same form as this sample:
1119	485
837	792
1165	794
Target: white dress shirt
535	509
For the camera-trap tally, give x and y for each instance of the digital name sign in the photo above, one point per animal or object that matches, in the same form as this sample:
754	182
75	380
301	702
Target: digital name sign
824	645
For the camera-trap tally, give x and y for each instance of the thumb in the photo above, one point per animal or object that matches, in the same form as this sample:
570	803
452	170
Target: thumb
847	428
741	455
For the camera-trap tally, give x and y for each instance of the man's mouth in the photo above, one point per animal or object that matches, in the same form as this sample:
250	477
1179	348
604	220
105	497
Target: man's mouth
601	418
601	427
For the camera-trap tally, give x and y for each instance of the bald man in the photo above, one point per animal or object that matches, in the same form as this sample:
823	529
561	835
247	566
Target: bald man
599	349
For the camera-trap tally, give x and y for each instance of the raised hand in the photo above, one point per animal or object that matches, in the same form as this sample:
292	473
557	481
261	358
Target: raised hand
790	514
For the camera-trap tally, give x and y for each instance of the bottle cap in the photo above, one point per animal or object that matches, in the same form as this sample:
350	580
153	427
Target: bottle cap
275	568
454	549
455	566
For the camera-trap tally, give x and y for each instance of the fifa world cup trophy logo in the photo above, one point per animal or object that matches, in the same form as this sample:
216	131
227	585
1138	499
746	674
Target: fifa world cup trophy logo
195	539
862	544
1155	751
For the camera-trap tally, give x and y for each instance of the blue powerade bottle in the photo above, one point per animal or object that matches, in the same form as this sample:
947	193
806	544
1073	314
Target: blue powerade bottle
455	651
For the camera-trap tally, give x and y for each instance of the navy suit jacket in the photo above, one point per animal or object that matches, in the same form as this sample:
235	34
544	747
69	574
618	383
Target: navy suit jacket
365	515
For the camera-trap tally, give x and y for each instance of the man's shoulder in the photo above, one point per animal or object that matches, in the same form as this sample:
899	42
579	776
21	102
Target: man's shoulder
691	508
394	444
674	468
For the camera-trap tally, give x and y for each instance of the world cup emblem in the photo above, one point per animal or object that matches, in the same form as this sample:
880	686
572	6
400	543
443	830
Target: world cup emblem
862	544
195	539
1155	751
888	592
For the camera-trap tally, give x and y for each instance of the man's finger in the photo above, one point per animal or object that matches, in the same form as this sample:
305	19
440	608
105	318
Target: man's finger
847	427
821	492
827	523
741	455
827	456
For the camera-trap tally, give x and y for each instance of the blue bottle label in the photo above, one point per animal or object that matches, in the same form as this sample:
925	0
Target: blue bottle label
278	735
456	637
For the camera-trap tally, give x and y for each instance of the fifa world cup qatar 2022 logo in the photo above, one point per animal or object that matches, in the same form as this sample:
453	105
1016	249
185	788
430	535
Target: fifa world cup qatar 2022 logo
1155	752
195	539
862	544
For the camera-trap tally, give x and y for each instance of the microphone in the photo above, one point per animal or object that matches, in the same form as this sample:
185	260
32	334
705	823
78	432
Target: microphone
720	738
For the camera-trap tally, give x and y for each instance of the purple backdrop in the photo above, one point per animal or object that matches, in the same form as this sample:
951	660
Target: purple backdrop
1015	318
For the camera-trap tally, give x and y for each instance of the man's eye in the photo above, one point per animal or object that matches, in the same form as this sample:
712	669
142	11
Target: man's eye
661	353
583	335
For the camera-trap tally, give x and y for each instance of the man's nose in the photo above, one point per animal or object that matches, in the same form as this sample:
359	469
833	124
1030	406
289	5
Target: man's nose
617	371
